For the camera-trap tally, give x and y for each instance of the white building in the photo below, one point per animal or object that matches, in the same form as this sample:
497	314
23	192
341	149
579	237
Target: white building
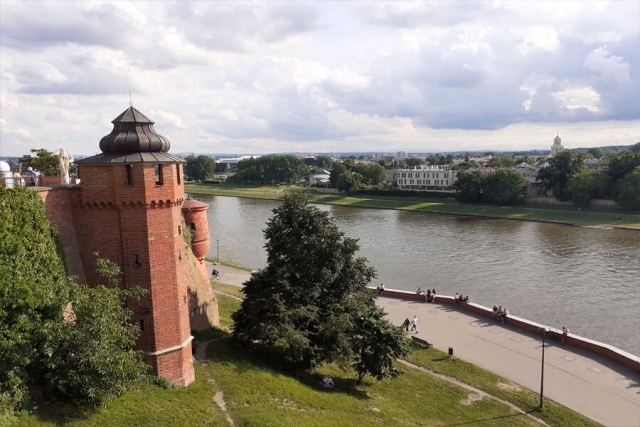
556	147
426	178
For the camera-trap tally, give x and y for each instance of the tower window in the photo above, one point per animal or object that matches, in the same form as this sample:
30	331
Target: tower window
158	171
179	174
193	226
129	174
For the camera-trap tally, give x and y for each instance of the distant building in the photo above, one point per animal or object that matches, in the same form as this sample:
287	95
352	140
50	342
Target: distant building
556	147
426	178
230	165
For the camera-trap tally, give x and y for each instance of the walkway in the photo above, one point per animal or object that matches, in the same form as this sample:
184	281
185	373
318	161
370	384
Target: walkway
586	383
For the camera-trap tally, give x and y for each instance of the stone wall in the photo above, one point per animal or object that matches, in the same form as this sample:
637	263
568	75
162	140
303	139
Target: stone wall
610	352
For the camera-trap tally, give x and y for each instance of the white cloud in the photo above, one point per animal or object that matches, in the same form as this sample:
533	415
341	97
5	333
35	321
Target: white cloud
281	76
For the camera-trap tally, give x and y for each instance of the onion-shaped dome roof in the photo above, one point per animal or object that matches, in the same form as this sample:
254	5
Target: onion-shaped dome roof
133	133
133	140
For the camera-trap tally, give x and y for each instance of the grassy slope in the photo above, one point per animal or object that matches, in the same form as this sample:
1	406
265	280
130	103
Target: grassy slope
257	394
593	217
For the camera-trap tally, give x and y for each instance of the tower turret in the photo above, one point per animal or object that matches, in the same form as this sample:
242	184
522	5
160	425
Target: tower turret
132	195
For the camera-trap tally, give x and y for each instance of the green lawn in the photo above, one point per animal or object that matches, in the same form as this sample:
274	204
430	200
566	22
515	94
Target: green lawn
596	217
259	394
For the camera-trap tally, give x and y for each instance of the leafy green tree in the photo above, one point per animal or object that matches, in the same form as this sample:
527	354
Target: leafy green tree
466	157
305	305
69	340
629	192
635	148
376	343
92	357
199	168
349	182
501	162
587	185
561	168
324	162
596	152
505	187
45	162
526	159
338	169
414	161
271	169
376	174
469	186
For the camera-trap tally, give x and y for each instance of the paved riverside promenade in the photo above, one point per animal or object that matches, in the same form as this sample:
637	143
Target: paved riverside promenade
589	384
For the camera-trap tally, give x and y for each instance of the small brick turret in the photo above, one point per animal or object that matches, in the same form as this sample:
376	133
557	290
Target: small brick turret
131	198
195	216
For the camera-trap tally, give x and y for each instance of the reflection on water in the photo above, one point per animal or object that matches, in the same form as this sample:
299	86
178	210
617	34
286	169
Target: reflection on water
586	279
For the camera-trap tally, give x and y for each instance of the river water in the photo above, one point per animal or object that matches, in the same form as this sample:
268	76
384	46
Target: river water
587	279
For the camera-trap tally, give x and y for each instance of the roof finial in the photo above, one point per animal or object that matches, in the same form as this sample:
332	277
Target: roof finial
130	102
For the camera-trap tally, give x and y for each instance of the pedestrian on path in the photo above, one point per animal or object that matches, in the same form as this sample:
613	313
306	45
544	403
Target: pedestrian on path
414	324
565	332
406	324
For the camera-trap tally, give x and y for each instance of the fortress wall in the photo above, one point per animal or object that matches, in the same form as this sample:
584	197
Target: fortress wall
610	352
59	204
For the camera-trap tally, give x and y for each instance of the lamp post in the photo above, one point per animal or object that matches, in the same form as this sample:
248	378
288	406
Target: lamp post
218	248
544	334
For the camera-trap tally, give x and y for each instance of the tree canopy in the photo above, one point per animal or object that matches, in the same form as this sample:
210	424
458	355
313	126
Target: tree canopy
45	162
67	340
561	168
271	169
199	168
310	304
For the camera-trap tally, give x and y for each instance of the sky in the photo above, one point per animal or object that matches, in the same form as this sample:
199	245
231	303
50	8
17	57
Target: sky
321	77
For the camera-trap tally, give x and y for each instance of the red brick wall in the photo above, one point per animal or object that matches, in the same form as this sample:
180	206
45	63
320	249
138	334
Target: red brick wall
59	207
136	226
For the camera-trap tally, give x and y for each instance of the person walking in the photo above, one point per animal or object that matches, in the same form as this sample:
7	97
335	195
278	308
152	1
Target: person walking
414	324
565	333
406	324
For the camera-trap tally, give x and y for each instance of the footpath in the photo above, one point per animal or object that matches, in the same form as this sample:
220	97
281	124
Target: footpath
589	384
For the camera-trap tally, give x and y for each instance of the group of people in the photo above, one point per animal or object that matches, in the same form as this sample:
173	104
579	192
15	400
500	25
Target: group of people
500	313
429	294
28	179
413	323
459	298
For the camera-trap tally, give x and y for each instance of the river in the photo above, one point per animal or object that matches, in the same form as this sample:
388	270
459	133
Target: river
587	279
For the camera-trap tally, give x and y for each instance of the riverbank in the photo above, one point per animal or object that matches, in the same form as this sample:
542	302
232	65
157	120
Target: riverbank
587	383
585	218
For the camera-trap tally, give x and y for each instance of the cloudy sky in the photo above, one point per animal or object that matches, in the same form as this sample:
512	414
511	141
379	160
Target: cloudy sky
254	77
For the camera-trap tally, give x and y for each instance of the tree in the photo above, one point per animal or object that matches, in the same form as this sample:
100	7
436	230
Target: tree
629	192
45	162
376	344
271	169
414	161
505	187
561	168
596	152
587	185
635	148
526	159
305	305
376	174
349	182
501	162
324	162
469	186
87	357
199	168
338	169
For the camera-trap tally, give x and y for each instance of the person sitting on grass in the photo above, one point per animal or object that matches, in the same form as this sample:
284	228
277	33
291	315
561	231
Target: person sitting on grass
327	382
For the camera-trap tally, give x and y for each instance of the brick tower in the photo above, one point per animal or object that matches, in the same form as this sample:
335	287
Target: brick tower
131	197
